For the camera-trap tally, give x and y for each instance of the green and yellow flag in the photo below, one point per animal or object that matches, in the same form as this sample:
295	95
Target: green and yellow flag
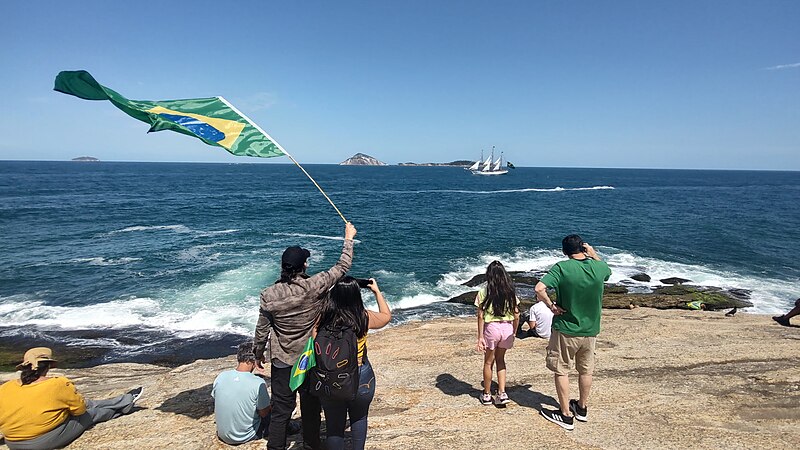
303	364
212	120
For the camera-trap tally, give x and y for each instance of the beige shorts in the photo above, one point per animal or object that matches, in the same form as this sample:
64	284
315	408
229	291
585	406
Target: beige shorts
564	350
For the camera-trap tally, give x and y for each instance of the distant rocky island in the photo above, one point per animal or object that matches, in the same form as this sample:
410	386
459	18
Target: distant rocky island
86	158
459	163
360	159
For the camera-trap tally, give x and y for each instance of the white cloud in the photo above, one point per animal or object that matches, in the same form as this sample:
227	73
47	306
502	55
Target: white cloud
783	66
256	102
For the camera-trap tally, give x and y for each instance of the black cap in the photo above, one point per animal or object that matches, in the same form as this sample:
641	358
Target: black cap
295	257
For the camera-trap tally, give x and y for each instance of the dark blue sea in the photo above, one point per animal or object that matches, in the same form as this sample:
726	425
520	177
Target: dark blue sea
135	260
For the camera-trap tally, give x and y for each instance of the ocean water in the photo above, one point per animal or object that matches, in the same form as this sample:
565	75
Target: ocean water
137	259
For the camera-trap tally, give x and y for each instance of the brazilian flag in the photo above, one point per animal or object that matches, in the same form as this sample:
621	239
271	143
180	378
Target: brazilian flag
304	363
212	120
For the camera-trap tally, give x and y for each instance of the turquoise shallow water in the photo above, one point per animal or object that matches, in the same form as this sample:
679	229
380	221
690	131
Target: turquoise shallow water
132	257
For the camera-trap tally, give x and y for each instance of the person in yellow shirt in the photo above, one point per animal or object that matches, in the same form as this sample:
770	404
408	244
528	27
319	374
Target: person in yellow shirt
42	413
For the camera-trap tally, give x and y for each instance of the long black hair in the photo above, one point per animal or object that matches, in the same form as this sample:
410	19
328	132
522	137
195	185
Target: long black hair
29	375
289	272
500	293
344	308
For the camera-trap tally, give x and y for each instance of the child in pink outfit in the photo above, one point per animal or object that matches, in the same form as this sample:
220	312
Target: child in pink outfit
498	318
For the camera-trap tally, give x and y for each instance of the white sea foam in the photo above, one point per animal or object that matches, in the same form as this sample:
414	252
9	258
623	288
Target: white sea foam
228	302
501	191
215	233
768	295
183	229
415	293
175	228
134	312
100	261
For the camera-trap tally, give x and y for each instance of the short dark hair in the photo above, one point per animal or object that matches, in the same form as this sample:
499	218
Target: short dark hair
572	244
245	353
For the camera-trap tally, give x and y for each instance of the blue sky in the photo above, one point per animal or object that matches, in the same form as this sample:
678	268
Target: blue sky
694	84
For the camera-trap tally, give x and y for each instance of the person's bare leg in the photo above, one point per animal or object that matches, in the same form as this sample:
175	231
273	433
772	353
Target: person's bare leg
784	319
500	360
488	362
562	388
795	311
585	388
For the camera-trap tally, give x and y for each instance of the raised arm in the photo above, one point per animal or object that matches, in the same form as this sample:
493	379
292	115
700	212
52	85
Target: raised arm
381	318
321	282
589	251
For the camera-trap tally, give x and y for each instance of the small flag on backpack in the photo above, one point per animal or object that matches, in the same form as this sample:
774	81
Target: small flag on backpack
303	364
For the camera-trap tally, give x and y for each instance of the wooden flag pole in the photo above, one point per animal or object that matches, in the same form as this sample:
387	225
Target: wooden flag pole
313	181
285	153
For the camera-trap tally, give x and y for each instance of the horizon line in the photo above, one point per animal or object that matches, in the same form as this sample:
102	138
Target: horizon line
253	162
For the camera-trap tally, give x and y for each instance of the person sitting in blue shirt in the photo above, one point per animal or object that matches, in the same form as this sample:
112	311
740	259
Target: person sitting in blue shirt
241	401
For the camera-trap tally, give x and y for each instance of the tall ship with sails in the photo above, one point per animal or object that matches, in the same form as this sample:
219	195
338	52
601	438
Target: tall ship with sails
490	166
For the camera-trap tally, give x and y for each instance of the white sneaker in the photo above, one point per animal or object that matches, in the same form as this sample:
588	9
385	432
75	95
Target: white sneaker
501	398
136	393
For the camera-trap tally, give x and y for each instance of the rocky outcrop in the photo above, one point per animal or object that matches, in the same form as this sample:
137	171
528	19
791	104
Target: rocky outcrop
519	277
652	367
360	159
643	277
674	280
674	296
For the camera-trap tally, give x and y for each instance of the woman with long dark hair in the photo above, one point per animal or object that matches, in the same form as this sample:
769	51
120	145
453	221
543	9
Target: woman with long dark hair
498	318
41	412
344	308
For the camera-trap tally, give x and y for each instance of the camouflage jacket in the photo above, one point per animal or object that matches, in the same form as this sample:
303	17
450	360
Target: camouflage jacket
289	310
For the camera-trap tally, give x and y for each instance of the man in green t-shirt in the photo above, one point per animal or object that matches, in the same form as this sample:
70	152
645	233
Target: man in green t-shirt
578	283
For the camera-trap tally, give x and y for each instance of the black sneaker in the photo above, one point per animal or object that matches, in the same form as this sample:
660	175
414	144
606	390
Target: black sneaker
565	422
581	414
292	428
781	320
136	393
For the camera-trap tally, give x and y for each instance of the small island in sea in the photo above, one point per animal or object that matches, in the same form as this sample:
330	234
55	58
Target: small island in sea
85	159
459	163
360	159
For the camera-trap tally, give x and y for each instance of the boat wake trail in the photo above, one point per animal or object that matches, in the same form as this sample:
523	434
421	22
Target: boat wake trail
504	191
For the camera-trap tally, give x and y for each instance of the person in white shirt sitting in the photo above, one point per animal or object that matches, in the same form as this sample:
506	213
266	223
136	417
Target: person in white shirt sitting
540	319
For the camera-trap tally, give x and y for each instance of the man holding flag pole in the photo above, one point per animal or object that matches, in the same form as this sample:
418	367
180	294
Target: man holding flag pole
290	307
289	310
